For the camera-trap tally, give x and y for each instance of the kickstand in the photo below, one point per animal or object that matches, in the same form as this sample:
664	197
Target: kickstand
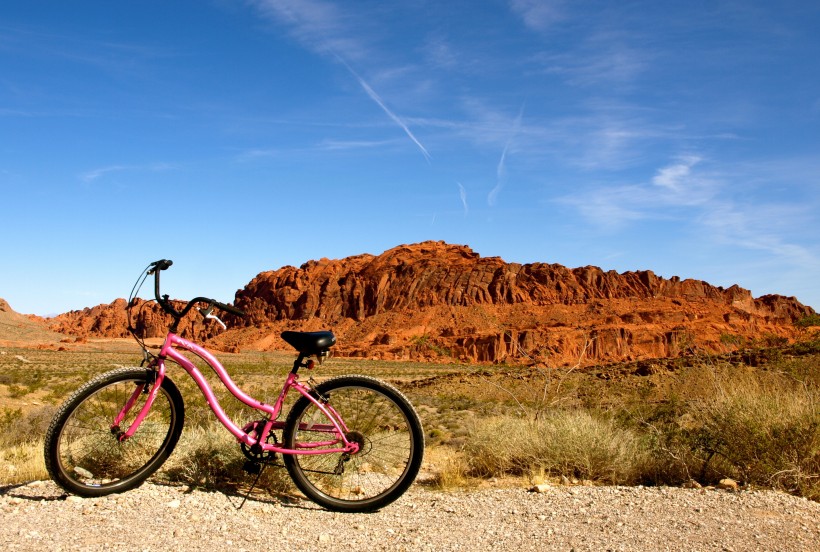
261	468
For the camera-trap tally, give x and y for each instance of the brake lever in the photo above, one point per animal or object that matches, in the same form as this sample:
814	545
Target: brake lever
208	313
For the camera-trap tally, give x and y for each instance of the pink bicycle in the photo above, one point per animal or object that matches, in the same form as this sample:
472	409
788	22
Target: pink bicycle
351	443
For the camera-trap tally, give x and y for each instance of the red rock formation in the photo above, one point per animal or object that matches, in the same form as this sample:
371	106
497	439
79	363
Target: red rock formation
438	301
111	321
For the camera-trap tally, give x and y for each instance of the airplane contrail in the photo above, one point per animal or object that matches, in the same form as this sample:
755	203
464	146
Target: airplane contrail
376	98
501	167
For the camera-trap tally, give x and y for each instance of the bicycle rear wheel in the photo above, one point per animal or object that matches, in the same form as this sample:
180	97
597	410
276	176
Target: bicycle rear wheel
82	451
386	427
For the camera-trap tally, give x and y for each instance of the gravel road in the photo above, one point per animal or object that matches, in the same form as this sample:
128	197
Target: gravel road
38	516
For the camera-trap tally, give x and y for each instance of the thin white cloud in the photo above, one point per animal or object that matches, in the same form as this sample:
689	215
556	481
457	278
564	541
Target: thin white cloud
341	145
756	227
95	174
4	112
708	204
674	177
516	127
538	15
673	188
608	135
598	63
320	26
328	145
611	207
463	195
441	54
492	197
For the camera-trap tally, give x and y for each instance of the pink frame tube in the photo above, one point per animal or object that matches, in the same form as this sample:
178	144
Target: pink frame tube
168	351
145	408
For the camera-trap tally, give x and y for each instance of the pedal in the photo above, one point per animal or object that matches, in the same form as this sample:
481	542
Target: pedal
252	467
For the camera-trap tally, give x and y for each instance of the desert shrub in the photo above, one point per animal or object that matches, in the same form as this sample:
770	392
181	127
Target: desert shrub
808	321
573	443
17	427
765	434
677	455
732	340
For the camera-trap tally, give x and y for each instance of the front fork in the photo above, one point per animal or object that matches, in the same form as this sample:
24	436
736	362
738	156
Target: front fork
154	376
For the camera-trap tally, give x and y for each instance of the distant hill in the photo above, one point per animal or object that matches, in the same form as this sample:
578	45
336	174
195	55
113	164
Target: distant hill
437	301
22	330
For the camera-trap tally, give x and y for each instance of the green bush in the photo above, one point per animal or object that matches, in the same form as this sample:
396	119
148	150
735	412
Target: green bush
808	321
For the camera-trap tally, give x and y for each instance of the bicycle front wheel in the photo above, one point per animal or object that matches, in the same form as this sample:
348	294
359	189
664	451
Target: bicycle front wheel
83	453
377	417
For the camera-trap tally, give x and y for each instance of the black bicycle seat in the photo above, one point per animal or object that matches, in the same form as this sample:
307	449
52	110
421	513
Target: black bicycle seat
310	343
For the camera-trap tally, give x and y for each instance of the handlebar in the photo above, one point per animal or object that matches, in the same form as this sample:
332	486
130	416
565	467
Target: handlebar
163	264
156	266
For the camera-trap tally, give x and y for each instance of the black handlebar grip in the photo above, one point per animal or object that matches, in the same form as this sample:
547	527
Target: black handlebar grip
230	309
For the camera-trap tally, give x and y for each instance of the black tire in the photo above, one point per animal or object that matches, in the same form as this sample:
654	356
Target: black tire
82	452
388	429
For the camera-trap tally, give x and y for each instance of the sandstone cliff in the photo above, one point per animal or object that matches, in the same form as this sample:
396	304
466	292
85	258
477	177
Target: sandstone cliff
439	301
433	299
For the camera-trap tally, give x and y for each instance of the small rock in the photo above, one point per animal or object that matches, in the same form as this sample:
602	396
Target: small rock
174	503
691	484
542	488
727	484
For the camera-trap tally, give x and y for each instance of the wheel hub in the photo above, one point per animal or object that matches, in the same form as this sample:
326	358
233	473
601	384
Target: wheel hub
359	438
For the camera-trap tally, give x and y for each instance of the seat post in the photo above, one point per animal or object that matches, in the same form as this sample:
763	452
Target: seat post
297	363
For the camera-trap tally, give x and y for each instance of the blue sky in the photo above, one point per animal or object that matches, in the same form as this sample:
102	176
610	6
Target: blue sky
241	136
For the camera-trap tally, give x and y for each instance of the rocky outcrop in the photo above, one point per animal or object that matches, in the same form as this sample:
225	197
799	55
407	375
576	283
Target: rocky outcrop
435	300
111	320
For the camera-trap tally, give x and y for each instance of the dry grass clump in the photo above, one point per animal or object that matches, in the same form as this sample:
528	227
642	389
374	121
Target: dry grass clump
449	468
573	443
21	444
22	462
